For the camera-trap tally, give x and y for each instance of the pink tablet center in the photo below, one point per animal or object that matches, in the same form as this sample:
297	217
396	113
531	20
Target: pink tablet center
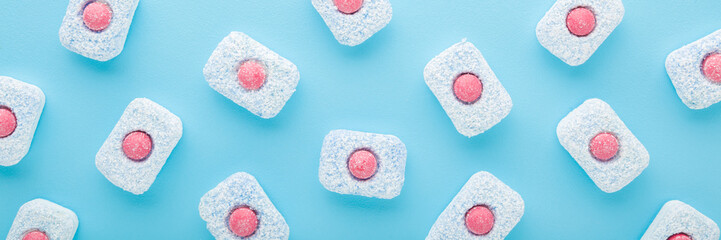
243	221
35	235
680	236
362	164
251	75
712	67
480	220
581	21
137	145
97	15
8	122
604	146
348	6
467	88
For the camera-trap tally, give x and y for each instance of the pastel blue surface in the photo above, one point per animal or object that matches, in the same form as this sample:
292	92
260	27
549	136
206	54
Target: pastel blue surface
376	87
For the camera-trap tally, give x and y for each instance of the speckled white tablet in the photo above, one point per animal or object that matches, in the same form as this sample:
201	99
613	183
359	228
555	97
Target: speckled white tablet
681	221
238	208
251	75
20	107
352	22
365	164
695	71
138	146
573	29
602	144
97	29
42	219
484	209
467	89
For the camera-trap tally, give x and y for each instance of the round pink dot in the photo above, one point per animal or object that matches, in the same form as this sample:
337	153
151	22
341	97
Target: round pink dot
362	164
348	6
680	236
243	221
604	146
35	235
137	145
251	75
468	88
712	67
8	122
479	220
581	21
97	15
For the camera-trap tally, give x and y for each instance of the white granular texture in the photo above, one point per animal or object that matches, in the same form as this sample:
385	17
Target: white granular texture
57	222
483	189
390	155
103	45
165	130
221	72
475	118
241	190
595	116
678	217
26	101
356	28
554	35
684	67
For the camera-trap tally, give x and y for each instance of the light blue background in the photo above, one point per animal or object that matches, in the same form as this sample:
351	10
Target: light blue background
376	87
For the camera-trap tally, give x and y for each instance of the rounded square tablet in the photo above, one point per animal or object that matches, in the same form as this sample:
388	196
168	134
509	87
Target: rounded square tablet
20	107
41	217
97	29
482	191
251	75
695	71
602	144
352	22
678	218
467	89
365	164
137	148
573	29
241	191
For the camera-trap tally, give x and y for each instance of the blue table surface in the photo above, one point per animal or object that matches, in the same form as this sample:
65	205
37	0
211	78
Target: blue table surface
375	87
